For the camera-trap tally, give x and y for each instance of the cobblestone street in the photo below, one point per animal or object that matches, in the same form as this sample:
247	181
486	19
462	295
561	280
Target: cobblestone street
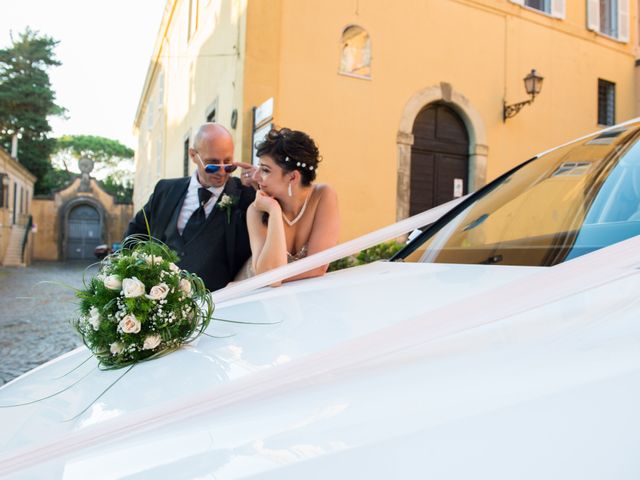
34	317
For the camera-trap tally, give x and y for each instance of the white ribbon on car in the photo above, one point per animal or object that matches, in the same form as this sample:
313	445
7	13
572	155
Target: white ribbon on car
549	285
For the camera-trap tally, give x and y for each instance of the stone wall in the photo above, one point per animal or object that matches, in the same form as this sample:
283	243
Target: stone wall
46	229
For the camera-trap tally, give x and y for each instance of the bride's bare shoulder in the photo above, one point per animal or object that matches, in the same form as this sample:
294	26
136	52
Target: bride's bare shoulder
325	191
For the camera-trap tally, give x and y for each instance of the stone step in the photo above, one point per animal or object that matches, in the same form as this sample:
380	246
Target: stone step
13	254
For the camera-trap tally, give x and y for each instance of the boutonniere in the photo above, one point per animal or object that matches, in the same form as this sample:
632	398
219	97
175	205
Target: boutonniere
226	203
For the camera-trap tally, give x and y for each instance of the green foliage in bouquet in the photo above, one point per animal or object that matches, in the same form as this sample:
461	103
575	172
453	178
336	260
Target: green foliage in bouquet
382	251
140	305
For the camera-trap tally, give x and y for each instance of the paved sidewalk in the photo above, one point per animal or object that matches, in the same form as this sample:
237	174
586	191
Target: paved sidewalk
34	317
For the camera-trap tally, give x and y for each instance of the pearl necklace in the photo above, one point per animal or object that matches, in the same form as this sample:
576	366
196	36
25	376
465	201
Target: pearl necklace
291	223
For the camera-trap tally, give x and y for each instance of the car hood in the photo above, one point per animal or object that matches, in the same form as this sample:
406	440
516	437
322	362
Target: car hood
332	373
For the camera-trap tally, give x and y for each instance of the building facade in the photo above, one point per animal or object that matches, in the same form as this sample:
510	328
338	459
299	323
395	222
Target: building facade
407	104
16	192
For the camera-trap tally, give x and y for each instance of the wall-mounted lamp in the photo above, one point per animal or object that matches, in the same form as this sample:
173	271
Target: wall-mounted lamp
533	85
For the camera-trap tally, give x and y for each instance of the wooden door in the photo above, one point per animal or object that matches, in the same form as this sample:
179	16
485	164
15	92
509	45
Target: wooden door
439	158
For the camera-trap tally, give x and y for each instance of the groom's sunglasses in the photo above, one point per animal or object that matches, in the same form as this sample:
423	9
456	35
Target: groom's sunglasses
216	168
212	168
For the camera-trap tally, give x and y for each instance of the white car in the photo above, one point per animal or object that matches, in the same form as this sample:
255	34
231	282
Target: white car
502	343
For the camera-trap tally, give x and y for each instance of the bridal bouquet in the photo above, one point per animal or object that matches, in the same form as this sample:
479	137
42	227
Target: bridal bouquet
140	305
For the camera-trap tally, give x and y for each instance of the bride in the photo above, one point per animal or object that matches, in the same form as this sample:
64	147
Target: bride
291	216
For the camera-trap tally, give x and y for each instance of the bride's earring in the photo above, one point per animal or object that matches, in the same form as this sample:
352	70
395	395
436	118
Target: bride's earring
289	190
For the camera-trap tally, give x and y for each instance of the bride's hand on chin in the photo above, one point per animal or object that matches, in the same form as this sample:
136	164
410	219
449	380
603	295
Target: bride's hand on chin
265	203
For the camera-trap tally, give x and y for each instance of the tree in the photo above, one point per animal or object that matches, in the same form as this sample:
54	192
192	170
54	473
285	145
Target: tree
56	179
27	100
122	190
113	161
107	154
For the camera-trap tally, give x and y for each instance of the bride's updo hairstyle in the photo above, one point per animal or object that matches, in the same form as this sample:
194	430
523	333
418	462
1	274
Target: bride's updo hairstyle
292	150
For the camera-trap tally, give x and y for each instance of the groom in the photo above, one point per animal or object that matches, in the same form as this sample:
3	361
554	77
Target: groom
203	217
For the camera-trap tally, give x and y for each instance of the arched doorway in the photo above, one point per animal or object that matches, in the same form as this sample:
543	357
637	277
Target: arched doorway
84	232
439	158
478	152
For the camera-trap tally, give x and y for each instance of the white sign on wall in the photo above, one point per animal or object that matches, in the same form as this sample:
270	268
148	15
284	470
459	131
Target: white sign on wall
263	113
262	116
259	135
458	187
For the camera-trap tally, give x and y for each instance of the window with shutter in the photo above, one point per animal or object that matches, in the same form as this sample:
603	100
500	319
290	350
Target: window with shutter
555	8
542	5
609	17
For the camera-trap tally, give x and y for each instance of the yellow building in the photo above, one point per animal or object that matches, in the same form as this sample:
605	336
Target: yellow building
16	192
407	104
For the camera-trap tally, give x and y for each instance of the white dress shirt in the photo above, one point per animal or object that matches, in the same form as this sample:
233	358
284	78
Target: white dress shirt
192	201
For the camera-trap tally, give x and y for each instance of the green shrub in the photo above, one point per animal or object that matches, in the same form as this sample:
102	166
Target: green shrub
381	251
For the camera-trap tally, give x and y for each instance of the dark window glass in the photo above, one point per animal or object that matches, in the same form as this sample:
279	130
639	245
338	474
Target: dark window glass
609	17
542	5
211	117
15	202
606	102
186	158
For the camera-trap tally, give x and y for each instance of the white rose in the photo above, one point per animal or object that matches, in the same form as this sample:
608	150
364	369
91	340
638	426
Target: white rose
94	318
112	282
185	286
174	268
151	342
153	259
132	287
158	292
225	200
129	324
116	348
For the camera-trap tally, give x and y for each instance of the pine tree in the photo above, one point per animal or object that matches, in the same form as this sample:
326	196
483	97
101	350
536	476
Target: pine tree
27	100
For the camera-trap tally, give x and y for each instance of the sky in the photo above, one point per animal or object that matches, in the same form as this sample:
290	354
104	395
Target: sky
105	49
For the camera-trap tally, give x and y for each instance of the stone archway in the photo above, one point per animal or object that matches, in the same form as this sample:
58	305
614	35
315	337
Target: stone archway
82	222
478	149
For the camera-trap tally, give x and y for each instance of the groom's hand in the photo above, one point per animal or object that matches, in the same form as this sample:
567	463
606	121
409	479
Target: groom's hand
246	177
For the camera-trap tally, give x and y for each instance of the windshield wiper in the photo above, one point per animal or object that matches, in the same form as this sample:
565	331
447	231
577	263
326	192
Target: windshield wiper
476	222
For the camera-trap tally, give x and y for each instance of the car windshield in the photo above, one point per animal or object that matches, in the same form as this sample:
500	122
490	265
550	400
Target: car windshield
570	201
